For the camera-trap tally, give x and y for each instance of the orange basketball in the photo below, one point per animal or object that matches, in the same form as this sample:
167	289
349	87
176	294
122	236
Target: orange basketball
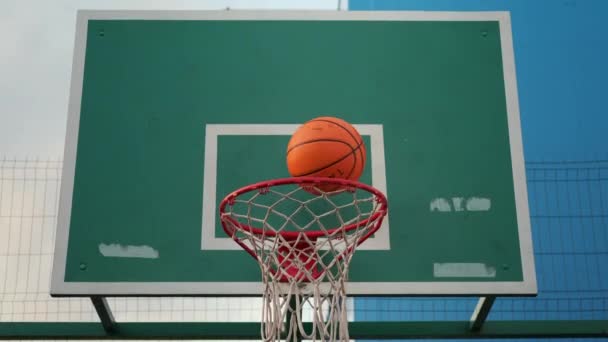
326	147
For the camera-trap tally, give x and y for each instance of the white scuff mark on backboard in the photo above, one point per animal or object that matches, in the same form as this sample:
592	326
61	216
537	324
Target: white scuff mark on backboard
463	270
460	204
479	204
440	204
116	250
457	203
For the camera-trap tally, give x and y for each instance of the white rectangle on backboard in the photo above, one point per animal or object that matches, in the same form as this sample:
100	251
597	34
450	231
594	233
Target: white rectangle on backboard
209	240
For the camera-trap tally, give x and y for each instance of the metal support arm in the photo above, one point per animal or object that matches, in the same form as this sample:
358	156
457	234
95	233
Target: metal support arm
482	310
104	313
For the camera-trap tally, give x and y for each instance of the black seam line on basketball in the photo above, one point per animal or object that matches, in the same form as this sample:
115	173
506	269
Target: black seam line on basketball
319	140
334	163
349	133
352	151
354	138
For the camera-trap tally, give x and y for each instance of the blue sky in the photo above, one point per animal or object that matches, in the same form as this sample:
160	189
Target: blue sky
37	38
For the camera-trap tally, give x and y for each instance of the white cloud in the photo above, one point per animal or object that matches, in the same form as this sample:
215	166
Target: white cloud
37	40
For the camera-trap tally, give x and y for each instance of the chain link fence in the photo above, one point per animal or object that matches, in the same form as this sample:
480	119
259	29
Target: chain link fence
569	215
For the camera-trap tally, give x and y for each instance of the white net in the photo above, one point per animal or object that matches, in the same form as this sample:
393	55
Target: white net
303	237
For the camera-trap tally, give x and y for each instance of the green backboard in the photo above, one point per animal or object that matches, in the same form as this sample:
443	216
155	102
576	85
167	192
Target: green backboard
171	111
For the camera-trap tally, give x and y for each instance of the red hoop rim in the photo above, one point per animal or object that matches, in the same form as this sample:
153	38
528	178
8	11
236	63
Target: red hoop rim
313	234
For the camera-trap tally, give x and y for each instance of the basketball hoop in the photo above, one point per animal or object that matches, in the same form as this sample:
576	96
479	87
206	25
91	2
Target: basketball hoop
303	239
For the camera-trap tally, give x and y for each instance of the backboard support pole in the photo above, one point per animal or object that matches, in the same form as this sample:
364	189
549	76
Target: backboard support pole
482	310
104	312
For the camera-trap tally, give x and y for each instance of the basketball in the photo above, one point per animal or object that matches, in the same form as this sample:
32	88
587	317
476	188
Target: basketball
326	147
